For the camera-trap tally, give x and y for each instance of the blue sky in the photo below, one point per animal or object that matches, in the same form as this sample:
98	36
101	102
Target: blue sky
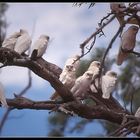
67	27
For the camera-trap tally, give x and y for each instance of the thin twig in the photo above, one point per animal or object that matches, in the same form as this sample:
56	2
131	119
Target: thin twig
82	45
105	54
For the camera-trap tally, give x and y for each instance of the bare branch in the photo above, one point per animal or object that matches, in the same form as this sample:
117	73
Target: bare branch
82	45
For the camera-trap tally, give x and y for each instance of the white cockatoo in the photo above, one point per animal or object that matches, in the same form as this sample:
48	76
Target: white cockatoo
82	84
23	42
2	96
41	45
108	83
118	9
68	75
92	86
74	60
137	114
94	67
128	41
11	41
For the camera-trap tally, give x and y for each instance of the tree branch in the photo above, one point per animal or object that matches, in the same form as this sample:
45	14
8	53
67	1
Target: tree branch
38	67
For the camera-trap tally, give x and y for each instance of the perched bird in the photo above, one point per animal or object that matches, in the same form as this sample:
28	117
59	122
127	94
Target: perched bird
118	9
40	45
137	114
81	85
11	41
68	75
2	96
134	20
74	60
94	67
23	42
108	83
128	41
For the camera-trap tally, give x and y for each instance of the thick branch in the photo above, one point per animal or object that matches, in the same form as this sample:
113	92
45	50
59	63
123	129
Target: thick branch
85	111
14	59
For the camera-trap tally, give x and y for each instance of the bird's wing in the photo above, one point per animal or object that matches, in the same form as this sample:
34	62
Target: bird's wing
108	85
9	43
23	43
11	40
121	56
127	43
42	49
76	85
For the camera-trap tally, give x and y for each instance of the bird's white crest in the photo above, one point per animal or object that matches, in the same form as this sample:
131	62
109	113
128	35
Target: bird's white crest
81	85
23	42
109	81
11	41
41	45
2	96
137	114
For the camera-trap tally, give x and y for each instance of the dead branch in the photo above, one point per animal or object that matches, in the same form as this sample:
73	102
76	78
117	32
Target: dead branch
82	45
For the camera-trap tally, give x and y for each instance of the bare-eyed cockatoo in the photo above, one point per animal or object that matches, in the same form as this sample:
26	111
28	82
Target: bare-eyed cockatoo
118	9
74	60
2	96
23	42
81	85
41	45
128	41
94	67
11	41
68	75
108	83
137	114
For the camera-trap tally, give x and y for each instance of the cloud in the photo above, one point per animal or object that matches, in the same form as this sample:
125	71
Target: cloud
67	27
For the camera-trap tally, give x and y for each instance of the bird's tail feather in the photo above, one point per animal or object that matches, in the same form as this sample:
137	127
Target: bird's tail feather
121	57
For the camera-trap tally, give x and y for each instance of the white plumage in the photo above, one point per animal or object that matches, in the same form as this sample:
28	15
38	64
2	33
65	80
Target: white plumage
23	42
109	81
72	61
41	45
81	85
128	42
137	114
2	96
68	75
11	41
94	67
93	88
